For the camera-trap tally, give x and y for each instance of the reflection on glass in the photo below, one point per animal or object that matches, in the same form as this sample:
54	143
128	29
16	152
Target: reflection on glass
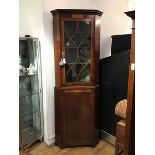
23	54
29	125
28	85
24	86
34	83
79	72
77	36
28	104
27	58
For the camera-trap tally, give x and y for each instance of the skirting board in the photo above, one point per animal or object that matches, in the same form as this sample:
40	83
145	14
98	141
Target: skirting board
50	141
108	137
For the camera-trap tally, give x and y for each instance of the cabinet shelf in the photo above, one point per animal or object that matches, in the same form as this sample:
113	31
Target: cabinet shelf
29	95
30	113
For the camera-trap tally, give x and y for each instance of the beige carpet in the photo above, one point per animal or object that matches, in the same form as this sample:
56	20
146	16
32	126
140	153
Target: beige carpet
102	148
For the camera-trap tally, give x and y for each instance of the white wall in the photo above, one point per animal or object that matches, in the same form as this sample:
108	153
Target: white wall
131	5
31	18
36	20
31	22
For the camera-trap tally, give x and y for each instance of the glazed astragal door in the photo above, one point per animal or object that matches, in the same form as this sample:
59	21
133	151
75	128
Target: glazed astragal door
77	51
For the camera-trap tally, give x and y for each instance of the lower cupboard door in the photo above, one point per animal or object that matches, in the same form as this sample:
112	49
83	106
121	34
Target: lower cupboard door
78	116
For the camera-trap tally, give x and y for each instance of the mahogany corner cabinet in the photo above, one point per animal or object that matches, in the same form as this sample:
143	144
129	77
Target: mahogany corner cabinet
77	52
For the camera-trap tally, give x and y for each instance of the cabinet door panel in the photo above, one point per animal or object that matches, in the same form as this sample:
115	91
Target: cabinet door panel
78	116
77	48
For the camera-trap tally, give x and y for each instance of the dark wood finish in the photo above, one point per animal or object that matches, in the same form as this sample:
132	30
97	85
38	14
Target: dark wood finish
75	102
78	113
76	11
57	50
97	49
75	115
120	137
131	14
129	146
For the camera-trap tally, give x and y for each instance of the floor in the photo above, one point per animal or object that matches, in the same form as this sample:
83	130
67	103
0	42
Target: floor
102	148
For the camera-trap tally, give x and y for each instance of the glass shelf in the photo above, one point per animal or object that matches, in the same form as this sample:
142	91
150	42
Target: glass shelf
29	95
28	85
30	120
28	75
29	114
29	104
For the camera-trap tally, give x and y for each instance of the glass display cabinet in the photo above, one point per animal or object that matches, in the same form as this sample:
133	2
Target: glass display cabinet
77	50
30	92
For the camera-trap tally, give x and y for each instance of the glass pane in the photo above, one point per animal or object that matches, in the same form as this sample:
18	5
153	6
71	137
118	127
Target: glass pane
29	135
34	83
26	121
84	75
28	85
23	58
23	54
24	86
25	105
70	26
69	43
27	57
30	127
80	73
71	55
28	104
33	56
84	55
84	26
77	36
